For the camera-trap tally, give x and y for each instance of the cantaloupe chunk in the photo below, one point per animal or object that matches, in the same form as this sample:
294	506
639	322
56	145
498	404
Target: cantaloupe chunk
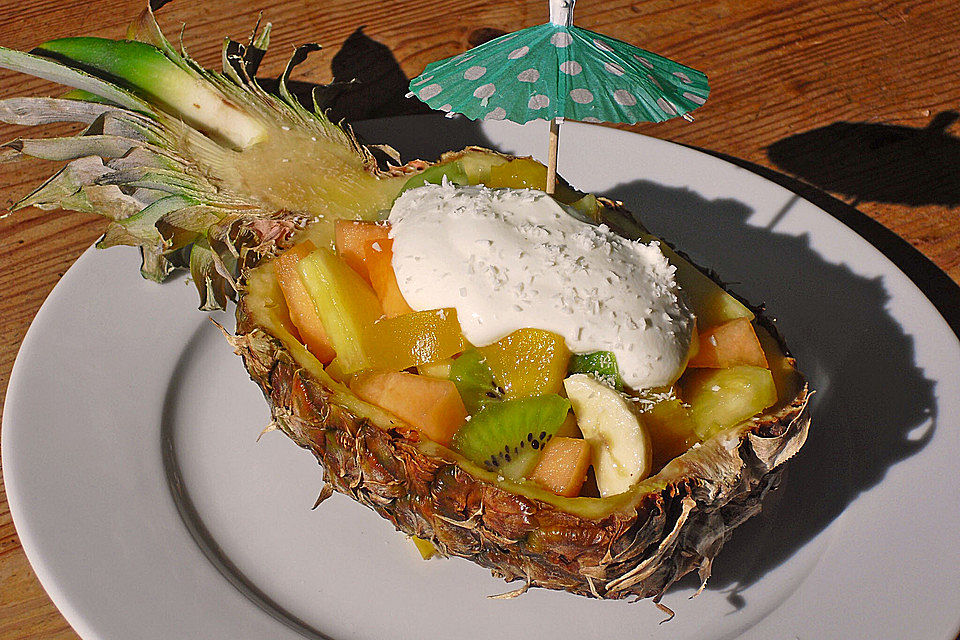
727	345
303	313
352	238
563	466
378	256
430	405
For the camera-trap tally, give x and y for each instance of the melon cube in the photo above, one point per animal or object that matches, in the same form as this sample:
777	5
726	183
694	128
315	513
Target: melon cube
352	238
429	405
563	466
303	313
378	257
729	344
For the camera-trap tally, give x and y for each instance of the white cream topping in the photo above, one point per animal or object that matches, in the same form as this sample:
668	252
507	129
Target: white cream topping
508	259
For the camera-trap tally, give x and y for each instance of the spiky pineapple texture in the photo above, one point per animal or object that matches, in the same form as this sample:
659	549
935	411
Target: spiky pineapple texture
191	192
639	549
197	168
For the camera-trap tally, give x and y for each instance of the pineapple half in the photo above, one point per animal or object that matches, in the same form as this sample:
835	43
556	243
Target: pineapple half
207	171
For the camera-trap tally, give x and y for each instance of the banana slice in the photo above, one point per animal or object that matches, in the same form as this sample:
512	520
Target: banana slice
622	455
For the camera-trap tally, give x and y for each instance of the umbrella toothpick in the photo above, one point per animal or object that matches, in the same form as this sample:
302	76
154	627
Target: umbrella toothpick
559	69
552	155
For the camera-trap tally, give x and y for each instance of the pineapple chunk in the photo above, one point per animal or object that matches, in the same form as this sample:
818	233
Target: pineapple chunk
528	362
721	398
563	466
438	369
431	406
671	428
414	339
527	173
346	305
425	547
731	343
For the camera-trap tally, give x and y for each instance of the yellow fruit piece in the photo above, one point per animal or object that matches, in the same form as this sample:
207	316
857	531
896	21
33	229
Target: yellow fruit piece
414	339
783	368
438	369
672	430
569	428
527	173
563	466
425	547
721	398
528	362
346	305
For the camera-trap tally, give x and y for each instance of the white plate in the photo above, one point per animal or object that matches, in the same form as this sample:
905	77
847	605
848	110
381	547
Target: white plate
149	510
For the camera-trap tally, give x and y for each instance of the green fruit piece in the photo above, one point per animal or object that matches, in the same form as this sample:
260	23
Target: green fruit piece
474	380
452	171
477	164
146	71
722	398
508	436
602	364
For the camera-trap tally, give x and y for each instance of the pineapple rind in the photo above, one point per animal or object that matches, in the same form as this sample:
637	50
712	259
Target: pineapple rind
634	544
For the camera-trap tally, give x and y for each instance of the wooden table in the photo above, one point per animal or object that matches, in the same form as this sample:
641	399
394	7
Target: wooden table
794	77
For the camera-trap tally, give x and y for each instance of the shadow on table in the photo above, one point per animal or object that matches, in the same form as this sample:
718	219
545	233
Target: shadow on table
877	162
873	405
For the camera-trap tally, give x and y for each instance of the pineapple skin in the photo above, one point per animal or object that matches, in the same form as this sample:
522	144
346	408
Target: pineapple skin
638	551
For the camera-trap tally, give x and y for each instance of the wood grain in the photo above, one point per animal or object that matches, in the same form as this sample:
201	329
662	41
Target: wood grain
777	70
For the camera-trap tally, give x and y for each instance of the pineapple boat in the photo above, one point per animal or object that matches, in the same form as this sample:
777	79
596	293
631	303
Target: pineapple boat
531	382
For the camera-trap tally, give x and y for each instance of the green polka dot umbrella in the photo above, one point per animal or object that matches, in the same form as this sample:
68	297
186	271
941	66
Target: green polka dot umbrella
555	71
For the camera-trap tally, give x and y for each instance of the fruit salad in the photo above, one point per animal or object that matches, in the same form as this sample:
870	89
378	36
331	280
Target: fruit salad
530	340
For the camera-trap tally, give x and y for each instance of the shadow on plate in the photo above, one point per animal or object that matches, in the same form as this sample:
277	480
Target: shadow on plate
873	405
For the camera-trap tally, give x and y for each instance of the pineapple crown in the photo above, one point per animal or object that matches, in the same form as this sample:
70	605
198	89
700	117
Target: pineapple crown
186	163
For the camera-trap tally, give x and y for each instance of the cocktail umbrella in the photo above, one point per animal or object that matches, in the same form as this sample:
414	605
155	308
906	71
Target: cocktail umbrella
554	71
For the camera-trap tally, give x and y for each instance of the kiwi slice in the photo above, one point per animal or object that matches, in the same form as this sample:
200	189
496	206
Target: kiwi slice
474	380
602	364
508	436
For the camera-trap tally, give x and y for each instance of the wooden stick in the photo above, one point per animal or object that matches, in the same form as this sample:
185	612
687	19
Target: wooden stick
552	155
